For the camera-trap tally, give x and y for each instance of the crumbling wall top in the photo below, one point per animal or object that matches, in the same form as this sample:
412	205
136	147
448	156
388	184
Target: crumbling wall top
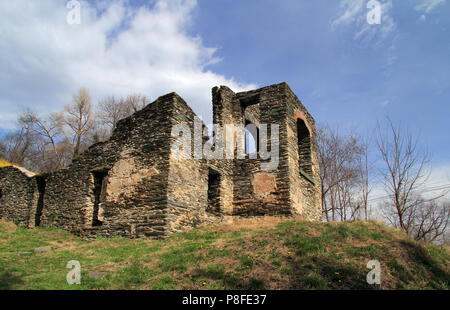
22	170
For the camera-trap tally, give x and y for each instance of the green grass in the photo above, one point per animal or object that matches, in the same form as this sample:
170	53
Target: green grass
315	281
283	254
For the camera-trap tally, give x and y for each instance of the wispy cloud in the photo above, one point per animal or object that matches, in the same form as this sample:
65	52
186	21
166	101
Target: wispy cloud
428	5
354	13
422	18
350	11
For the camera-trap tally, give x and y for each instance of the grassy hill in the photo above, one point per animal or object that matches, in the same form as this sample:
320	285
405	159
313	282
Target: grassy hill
267	253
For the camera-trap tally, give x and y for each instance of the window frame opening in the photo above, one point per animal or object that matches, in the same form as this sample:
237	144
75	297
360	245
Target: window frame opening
249	137
304	149
41	184
251	149
213	191
98	192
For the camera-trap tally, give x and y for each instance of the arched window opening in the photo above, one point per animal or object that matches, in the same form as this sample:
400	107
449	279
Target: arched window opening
250	106
304	148
251	138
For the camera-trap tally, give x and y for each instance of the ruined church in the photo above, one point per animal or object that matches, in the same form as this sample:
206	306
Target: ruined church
133	186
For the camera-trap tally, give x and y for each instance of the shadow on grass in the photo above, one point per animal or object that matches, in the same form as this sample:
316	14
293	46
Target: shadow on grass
419	255
334	272
8	279
327	273
230	281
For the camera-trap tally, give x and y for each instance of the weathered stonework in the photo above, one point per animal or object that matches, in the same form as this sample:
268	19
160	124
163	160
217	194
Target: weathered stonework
133	186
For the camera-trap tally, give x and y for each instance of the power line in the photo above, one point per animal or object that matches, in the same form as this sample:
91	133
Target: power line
424	190
421	190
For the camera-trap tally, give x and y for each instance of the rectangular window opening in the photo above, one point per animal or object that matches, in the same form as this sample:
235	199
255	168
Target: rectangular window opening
40	203
213	192
304	150
99	178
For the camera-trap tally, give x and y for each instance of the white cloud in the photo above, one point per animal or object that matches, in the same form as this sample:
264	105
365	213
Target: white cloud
428	5
354	13
116	50
350	11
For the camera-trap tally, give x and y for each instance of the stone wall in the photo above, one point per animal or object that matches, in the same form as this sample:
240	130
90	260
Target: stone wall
135	191
291	189
266	192
305	189
134	164
17	190
133	185
187	190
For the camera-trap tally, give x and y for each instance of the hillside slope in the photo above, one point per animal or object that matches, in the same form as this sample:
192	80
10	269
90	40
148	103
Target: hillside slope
267	253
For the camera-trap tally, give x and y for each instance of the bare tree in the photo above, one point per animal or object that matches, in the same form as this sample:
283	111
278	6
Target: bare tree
364	170
3	151
16	145
49	129
78	118
338	161
134	103
405	170
430	220
111	110
49	142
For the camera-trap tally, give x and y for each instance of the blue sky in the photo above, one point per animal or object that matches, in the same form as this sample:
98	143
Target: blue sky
346	72
342	80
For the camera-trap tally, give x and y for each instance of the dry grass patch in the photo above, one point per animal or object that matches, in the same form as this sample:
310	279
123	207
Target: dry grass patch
8	227
249	224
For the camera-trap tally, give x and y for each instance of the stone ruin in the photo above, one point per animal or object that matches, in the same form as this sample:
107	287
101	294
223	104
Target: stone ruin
132	186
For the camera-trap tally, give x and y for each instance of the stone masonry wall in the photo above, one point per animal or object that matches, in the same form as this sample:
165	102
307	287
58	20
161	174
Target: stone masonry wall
222	115
187	189
133	186
305	189
135	198
16	194
135	166
284	191
263	192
